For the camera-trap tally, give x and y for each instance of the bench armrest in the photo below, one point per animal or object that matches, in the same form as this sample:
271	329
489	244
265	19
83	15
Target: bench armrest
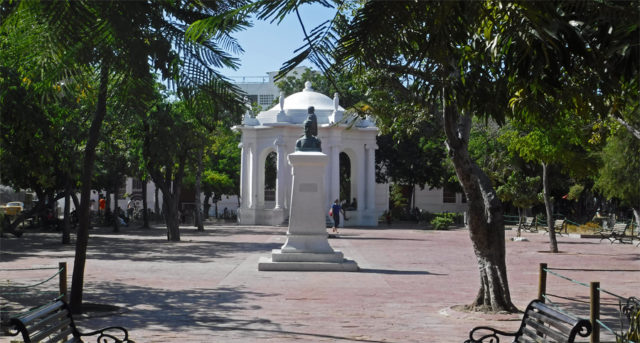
104	336
487	334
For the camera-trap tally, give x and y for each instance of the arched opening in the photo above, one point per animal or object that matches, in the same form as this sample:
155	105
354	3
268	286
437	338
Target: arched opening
270	174
345	177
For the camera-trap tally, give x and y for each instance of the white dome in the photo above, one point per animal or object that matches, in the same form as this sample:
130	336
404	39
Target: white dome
295	108
308	97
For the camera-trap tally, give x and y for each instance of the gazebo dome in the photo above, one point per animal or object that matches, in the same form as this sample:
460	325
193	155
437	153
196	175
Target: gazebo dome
293	109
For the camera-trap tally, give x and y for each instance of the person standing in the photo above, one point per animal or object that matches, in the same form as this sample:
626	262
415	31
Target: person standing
335	213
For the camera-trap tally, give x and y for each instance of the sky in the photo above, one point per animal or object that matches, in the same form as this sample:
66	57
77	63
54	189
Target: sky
267	46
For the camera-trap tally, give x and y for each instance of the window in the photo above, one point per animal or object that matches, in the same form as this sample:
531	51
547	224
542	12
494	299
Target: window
252	98
265	99
448	195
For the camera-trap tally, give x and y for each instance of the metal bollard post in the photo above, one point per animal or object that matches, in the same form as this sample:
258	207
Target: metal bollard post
542	282
63	281
594	311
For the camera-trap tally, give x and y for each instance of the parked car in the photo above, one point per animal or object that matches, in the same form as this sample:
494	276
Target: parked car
12	208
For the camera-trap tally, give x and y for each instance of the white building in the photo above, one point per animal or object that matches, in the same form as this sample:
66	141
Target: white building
262	89
276	130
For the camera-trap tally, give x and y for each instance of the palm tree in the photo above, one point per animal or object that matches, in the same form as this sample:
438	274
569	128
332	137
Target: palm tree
119	41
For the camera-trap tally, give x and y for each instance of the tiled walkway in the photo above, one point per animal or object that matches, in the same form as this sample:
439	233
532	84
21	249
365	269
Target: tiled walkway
207	288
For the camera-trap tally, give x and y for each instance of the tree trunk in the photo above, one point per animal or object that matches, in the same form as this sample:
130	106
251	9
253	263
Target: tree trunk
486	222
82	238
156	205
116	208
553	243
171	216
198	208
636	215
108	214
145	211
66	230
206	206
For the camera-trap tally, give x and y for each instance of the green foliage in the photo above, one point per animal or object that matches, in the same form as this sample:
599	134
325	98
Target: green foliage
442	221
575	192
522	191
618	177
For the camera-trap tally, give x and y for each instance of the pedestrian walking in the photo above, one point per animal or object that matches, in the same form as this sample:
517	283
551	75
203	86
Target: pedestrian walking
335	213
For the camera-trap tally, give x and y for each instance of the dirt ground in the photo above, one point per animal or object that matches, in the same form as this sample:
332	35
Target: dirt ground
207	288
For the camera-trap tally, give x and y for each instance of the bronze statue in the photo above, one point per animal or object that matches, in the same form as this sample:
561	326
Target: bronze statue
309	142
314	120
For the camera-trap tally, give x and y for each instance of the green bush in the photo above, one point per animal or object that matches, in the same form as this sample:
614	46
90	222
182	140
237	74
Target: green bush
441	221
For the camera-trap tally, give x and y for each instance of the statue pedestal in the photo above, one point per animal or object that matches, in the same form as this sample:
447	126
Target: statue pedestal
307	247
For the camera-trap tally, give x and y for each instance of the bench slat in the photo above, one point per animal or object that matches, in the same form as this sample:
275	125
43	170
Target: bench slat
52	330
547	331
558	325
529	336
41	312
47	321
61	335
555	314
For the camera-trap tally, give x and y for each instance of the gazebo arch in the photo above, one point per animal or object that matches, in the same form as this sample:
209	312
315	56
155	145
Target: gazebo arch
277	129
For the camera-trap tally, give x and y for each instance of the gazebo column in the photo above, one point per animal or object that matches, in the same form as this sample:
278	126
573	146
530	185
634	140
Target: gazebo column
281	165
253	192
371	176
362	180
243	175
334	188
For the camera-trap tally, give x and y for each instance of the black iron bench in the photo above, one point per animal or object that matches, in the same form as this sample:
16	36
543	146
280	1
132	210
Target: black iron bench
540	323
617	233
53	323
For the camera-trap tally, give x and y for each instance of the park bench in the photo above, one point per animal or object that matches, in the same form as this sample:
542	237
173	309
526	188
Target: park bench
559	225
617	233
529	224
54	323
540	323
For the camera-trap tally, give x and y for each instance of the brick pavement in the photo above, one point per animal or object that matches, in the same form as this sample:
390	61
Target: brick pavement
207	288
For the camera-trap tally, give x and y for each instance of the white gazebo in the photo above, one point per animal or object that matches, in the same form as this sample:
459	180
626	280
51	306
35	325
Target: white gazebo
273	133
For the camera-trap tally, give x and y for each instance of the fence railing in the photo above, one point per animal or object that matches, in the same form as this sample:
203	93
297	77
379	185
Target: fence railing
629	307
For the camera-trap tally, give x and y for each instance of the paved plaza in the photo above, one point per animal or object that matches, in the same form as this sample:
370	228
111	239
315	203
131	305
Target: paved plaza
207	288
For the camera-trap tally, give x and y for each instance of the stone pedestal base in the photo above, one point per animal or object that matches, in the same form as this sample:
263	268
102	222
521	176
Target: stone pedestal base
301	261
307	247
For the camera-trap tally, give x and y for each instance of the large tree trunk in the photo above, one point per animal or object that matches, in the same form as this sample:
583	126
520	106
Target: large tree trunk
66	230
206	206
171	216
82	238
116	208
156	205
198	210
553	242
486	223
636	215
145	211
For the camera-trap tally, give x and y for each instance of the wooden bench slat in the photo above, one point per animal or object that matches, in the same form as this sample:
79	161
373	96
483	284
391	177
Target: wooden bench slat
41	312
61	335
529	335
50	330
554	322
54	323
540	324
44	322
547	331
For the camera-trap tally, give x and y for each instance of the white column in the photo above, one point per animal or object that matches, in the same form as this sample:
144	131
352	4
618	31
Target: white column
253	175
371	176
335	173
281	165
362	177
244	201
